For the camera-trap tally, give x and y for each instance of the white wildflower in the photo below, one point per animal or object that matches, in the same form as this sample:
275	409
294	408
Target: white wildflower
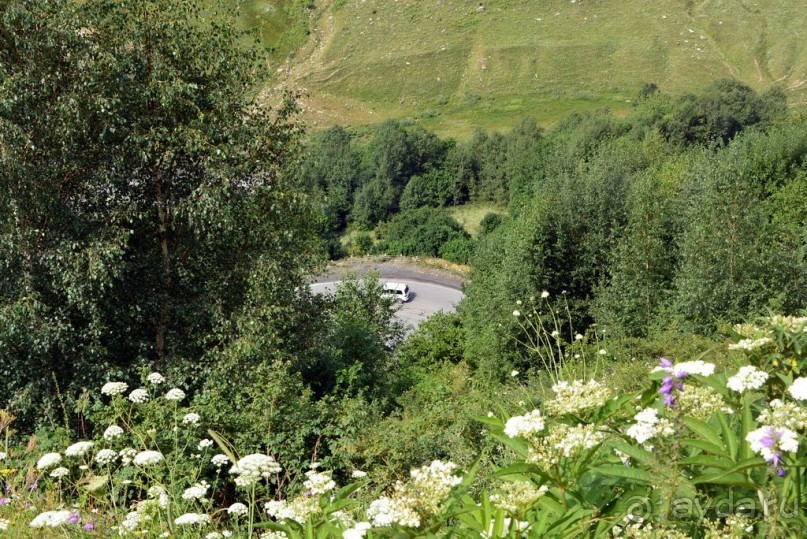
192	519
114	388
648	425
139	396
175	394
514	373
112	432
750	344
544	294
577	397
59	472
191	419
358	474
748	377
798	389
51	519
127	455
253	467
196	492
784	414
155	378
48	460
358	531
160	494
78	449
219	460
204	443
524	426
517	496
516	313
577	439
386	511
148	458
238	509
132	520
770	442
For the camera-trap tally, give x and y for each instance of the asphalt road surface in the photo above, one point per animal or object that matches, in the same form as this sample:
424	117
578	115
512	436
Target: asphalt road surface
425	298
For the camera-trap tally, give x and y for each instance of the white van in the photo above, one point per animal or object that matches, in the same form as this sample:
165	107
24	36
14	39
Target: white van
399	291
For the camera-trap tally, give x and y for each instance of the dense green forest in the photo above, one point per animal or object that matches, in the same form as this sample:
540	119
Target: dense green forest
157	224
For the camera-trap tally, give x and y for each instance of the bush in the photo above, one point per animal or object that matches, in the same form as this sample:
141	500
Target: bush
458	250
421	232
489	223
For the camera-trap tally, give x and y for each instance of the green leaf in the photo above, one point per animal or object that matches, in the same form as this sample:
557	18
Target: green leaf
625	472
706	446
728	435
639	454
712	461
703	429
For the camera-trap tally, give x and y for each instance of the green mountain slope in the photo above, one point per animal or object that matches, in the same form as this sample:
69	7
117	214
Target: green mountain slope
457	64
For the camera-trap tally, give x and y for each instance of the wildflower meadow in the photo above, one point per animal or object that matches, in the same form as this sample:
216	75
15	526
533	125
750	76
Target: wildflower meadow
698	453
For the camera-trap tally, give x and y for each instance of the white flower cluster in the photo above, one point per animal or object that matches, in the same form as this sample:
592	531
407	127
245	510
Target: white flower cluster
78	449
237	509
253	467
357	531
685	368
525	426
139	396
48	460
318	483
147	458
127	455
196	492
747	378
517	497
175	394
155	378
132	520
114	388
204	443
577	397
387	511
160	494
191	419
51	519
784	414
192	519
769	441
424	494
4	523
219	460
701	402
112	432
577	439
798	390
750	344
648	426
59	472
299	509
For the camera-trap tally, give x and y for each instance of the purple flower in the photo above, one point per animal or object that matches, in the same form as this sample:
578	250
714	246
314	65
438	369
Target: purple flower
33	486
667	388
666	363
4	501
781	472
74	518
89	527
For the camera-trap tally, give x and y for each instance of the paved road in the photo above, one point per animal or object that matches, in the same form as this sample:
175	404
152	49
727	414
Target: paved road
426	298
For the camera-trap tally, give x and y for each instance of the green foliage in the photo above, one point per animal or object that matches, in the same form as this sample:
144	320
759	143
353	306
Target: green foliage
490	222
421	232
134	159
436	188
458	250
375	201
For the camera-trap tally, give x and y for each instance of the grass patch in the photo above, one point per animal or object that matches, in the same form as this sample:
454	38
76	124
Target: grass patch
470	215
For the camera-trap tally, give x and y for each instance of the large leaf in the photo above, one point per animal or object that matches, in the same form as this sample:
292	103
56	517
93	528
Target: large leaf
704	430
626	472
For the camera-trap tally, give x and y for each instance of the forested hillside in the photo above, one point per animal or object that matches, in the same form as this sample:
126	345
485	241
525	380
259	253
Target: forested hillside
627	362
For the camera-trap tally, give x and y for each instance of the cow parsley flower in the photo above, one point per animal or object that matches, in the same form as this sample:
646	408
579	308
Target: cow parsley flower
750	344
114	388
358	531
799	389
544	294
106	456
219	460
578	439
59	472
253	467
517	496
79	449
747	378
192	519
160	494
238	509
51	519
318	483
197	492
204	443
112	432
155	378
358	474
127	455
191	419
148	458
175	394
139	396
48	460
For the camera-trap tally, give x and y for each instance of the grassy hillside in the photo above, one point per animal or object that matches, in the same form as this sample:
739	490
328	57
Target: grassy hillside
456	64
